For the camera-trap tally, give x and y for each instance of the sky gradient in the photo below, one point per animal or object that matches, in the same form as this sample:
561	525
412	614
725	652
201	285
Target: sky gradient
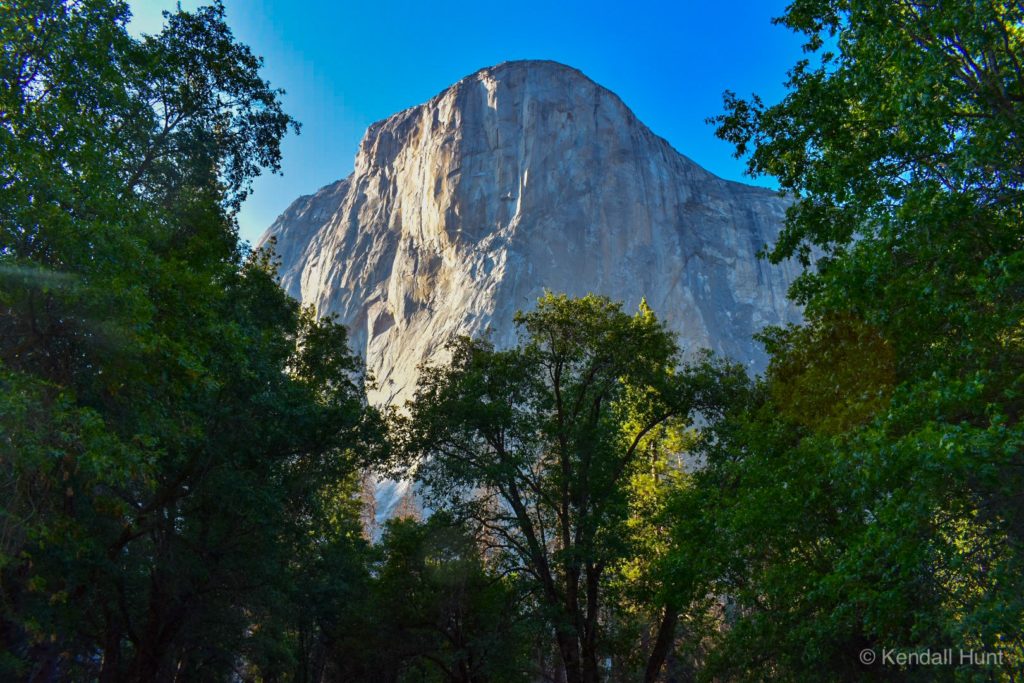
347	64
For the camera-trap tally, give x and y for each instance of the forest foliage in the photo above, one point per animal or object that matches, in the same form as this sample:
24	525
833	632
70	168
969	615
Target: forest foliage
182	446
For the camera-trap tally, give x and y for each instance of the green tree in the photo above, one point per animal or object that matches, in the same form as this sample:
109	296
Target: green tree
443	613
538	446
869	492
172	426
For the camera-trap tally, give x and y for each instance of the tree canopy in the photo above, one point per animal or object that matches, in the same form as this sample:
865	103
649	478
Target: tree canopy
171	424
870	487
538	445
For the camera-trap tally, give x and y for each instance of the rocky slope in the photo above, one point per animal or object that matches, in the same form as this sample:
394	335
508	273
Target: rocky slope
523	177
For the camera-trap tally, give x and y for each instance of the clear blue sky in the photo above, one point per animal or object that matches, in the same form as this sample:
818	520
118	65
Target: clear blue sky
346	64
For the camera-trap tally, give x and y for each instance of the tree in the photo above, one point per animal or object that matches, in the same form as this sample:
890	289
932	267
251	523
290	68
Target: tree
443	611
537	445
893	493
172	426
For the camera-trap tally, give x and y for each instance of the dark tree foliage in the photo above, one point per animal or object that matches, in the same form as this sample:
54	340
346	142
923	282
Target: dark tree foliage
541	447
175	433
868	493
444	612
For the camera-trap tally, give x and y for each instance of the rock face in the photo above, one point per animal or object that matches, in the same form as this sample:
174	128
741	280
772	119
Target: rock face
519	178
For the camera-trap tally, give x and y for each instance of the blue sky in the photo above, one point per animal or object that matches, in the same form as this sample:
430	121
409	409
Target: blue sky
347	64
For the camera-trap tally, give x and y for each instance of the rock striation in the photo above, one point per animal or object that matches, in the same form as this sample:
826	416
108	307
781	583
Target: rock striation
523	177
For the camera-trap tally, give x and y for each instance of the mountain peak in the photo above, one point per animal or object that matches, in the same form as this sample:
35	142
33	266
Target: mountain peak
515	104
521	177
533	67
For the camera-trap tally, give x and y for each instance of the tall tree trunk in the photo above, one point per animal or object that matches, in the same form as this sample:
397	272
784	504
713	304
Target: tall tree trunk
568	647
570	633
591	671
110	670
662	644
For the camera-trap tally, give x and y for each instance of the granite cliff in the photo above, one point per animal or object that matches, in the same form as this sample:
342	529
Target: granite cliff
523	177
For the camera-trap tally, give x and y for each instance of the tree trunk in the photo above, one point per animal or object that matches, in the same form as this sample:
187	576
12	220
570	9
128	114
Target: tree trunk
110	670
568	647
591	670
662	644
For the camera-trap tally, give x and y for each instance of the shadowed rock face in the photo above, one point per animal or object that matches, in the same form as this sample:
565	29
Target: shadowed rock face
523	177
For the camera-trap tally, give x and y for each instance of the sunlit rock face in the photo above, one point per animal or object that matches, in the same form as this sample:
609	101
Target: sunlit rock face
519	178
